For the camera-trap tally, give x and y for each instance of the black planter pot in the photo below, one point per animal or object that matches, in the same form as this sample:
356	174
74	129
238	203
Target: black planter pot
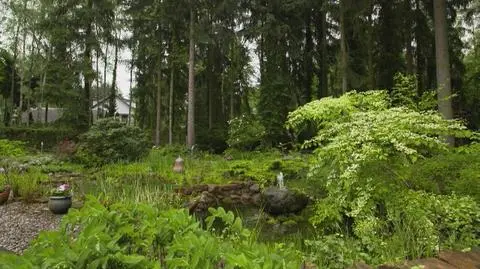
59	204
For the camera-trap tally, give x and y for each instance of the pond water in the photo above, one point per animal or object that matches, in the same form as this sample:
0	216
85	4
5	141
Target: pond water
267	228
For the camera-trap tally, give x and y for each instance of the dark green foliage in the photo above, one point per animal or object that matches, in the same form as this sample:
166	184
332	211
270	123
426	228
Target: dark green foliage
454	172
7	71
405	93
211	140
273	110
50	136
110	140
389	43
470	94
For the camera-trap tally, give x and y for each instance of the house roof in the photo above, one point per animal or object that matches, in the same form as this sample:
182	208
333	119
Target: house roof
118	99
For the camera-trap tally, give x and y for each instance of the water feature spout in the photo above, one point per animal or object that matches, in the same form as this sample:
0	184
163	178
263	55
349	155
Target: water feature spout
280	181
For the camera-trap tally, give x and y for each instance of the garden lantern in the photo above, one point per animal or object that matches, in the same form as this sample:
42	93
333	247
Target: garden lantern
179	166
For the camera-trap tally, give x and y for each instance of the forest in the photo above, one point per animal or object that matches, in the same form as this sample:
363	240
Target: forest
301	133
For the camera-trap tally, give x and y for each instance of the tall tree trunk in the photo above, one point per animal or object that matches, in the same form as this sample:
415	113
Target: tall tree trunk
42	87
130	88
343	49
371	69
409	55
170	107
209	81
30	70
97	94
222	93
46	113
87	70
308	57
159	94
22	76
232	104
419	52
105	64
210	107
321	36
246	103
444	90
14	65
408	38
159	107
112	106
191	83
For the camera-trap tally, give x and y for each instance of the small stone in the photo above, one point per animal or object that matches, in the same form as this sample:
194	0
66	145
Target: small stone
255	188
246	198
204	197
212	188
227	201
309	265
20	223
202	188
257	199
231	187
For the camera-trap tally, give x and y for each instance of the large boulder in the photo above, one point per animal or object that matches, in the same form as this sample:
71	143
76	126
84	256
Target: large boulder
283	201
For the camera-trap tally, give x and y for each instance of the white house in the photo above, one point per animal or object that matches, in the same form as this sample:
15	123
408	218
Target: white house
100	109
37	114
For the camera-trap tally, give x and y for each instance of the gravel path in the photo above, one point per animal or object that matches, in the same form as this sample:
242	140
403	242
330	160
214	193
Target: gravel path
20	223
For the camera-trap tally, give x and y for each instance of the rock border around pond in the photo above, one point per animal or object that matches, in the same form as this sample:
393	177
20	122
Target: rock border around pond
274	200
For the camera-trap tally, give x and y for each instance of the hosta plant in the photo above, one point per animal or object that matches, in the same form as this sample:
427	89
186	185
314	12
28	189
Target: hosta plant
141	236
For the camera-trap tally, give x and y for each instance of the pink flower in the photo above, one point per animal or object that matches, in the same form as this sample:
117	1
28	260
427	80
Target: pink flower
63	187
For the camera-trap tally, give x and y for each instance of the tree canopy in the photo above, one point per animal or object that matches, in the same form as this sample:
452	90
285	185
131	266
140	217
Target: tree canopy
221	60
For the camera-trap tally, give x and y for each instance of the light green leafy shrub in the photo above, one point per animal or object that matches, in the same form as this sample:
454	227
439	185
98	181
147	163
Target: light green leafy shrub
334	251
141	236
321	113
245	132
110	140
11	148
367	192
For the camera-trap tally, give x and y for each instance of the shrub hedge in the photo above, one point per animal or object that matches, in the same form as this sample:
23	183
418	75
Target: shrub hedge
33	137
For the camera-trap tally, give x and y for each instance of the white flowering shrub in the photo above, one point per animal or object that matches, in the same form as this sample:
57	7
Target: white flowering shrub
365	140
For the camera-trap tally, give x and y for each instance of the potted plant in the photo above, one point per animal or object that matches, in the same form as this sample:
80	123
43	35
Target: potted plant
60	199
4	193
